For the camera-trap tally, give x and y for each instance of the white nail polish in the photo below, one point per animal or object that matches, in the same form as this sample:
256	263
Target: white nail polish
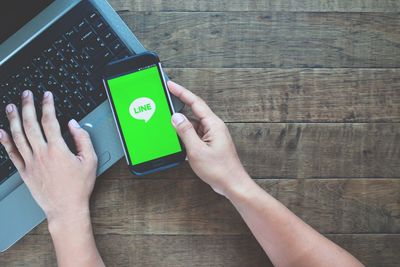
74	123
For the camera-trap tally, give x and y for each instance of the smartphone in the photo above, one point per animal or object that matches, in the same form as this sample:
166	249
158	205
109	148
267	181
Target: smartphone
142	109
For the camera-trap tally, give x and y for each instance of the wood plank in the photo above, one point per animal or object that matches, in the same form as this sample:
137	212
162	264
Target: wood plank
155	250
188	206
319	150
259	5
297	95
310	150
270	39
372	250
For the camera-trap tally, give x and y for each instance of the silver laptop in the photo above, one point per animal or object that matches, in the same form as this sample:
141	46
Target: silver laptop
61	46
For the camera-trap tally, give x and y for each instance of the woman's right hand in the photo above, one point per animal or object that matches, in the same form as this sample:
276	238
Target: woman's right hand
209	146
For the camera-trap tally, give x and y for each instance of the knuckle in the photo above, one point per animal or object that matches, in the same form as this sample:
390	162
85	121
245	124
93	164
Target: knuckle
197	99
84	134
91	158
11	154
46	119
42	150
26	101
200	100
54	149
12	116
94	157
50	122
219	123
19	138
193	152
186	127
42	156
28	123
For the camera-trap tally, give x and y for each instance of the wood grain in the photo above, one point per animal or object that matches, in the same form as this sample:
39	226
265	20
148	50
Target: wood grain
270	39
187	206
318	150
182	251
297	95
258	5
308	150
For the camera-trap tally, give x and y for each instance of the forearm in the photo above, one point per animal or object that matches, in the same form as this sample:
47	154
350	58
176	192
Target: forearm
74	241
286	239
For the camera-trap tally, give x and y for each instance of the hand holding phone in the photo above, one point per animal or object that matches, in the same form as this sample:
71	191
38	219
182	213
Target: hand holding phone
142	109
210	149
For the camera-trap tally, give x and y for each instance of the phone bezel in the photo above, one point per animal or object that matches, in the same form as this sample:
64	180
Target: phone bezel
130	65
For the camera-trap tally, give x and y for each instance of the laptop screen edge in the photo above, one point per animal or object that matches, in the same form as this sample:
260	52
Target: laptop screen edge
34	27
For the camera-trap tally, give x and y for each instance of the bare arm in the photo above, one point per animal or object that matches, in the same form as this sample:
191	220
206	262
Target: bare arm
60	182
287	240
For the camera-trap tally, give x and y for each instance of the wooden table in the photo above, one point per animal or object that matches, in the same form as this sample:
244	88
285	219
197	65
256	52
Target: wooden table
311	93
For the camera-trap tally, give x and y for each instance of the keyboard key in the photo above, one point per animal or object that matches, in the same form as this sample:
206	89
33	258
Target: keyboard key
68	51
116	47
36	76
82	38
101	59
47	66
50	53
93	16
4	101
99	26
59	42
108	37
41	89
82	25
70	34
61	73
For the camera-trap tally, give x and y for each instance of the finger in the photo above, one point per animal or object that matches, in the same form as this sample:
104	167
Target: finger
12	150
186	132
199	107
30	122
50	124
82	140
17	133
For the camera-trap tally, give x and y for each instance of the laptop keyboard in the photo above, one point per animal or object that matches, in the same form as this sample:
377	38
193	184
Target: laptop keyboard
70	68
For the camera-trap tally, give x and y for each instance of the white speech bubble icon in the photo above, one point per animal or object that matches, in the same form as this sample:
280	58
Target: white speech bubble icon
142	109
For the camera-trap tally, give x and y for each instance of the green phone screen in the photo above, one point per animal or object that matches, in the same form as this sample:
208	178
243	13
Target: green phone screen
144	116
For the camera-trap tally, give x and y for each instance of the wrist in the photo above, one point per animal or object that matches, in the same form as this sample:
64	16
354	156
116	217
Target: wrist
69	219
240	186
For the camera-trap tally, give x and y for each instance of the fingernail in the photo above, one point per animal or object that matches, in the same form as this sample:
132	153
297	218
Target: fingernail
178	118
9	108
46	94
74	123
25	93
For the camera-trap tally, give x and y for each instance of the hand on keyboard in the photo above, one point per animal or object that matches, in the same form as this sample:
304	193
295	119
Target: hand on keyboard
69	65
60	181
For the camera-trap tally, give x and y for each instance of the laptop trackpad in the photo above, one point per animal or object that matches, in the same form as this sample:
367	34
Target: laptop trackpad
104	135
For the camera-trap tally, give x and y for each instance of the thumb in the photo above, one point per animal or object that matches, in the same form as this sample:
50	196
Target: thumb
82	140
186	131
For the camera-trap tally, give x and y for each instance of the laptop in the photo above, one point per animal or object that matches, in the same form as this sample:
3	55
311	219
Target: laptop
60	46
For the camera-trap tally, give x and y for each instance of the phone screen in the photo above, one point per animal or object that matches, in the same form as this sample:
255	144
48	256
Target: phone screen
144	115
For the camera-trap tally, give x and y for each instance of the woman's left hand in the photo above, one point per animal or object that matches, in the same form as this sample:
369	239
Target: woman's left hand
59	181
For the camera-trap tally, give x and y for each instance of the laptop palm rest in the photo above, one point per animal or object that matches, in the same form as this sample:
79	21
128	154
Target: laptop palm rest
16	209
